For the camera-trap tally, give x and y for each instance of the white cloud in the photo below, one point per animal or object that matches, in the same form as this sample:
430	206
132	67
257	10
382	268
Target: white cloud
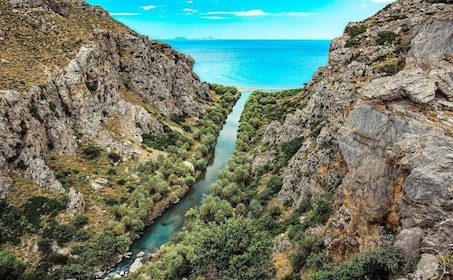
215	18
148	7
251	13
124	14
382	1
189	10
189	2
254	13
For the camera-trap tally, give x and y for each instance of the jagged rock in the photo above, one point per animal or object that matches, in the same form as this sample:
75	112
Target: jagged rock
76	203
383	110
412	83
101	80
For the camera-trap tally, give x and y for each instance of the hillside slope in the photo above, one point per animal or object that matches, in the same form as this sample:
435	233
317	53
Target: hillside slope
377	131
101	129
68	71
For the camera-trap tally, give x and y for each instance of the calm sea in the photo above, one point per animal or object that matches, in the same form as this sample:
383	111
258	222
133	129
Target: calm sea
256	64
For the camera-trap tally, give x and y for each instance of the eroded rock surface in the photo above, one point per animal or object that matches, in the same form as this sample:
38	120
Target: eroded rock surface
378	131
111	92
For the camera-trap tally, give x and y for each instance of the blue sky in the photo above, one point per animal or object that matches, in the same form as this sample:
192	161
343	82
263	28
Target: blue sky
240	19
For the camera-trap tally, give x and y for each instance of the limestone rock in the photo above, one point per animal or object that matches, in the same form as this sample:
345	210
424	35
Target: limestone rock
98	183
427	267
282	244
409	241
76	203
106	79
377	130
6	185
138	263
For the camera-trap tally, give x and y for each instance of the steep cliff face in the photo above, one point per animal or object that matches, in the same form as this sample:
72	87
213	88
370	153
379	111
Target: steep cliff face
66	80
378	131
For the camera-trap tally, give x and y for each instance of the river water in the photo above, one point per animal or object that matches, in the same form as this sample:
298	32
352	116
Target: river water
169	224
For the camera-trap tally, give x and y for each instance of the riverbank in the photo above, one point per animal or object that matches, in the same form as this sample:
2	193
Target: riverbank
166	226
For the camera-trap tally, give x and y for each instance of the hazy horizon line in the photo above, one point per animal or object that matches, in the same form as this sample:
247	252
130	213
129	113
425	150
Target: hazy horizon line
237	39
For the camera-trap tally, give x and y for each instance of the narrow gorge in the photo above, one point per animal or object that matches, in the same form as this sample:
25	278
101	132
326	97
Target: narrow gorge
103	129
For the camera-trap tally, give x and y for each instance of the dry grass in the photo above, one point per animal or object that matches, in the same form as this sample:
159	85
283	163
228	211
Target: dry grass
282	263
37	41
99	214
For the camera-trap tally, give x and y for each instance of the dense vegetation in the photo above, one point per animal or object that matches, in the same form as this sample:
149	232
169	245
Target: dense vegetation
230	236
126	203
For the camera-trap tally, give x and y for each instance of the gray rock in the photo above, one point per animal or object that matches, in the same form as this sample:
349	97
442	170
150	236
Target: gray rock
282	243
381	140
76	204
98	183
427	267
136	265
409	241
6	185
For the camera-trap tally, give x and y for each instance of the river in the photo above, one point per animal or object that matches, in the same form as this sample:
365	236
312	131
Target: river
170	223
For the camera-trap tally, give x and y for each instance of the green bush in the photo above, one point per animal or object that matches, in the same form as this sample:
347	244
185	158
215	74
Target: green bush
355	30
91	152
10	223
80	220
386	37
41	205
235	249
377	263
10	267
45	245
114	157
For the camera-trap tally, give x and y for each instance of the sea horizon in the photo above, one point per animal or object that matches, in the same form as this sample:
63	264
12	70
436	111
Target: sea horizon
255	64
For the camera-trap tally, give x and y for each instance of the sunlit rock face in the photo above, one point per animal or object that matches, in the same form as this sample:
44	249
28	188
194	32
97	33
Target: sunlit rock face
85	84
378	130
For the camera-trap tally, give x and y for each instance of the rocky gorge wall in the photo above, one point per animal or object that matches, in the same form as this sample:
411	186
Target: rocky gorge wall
378	131
66	80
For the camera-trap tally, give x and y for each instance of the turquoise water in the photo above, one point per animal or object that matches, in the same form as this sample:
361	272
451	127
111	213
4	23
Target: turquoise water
170	223
246	65
255	64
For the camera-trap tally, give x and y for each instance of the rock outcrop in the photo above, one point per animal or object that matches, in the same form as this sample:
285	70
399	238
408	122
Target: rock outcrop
107	87
378	132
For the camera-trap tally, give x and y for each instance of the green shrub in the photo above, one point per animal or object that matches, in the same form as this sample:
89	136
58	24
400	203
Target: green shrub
41	205
114	157
377	263
355	30
55	258
79	221
235	249
386	37
91	152
45	245
10	223
290	148
306	247
10	267
35	112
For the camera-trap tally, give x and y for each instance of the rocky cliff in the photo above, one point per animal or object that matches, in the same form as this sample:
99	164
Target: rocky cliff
378	131
69	75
